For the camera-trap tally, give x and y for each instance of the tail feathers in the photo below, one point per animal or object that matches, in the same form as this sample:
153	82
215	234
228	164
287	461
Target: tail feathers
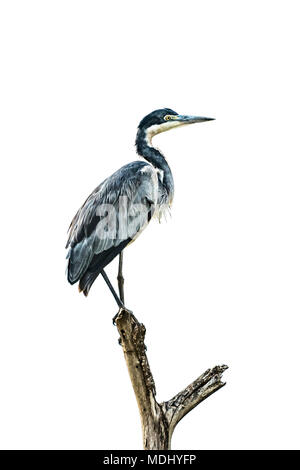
86	282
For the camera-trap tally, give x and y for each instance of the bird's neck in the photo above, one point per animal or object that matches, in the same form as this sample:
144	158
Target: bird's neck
154	156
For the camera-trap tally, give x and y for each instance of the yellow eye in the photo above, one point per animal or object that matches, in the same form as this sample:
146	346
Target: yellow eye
167	117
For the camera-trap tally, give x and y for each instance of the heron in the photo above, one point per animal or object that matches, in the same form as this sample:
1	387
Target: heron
120	208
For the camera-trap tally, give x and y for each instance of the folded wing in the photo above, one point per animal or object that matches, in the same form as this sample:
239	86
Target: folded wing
112	216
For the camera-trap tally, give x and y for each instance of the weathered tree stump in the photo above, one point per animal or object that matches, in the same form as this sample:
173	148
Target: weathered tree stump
158	419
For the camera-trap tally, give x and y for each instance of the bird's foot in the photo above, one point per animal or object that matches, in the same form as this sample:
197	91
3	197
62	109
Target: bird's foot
120	311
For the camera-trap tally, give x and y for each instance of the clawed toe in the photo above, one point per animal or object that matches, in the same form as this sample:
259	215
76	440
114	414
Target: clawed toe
126	310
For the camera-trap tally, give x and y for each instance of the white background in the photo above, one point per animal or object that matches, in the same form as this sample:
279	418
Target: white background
218	283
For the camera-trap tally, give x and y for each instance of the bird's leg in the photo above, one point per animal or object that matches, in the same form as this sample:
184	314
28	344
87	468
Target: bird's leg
120	277
112	290
119	300
121	285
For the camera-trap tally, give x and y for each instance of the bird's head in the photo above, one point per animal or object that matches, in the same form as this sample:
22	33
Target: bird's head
162	120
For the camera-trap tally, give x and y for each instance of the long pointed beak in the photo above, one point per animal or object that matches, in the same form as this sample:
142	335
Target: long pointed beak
192	119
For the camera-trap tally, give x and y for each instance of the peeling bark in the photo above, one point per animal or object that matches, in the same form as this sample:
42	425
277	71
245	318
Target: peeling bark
159	419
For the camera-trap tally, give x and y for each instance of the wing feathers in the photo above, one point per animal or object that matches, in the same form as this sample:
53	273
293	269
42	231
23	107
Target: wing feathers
113	215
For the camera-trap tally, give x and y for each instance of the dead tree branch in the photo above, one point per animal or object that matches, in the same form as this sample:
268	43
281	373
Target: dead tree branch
158	419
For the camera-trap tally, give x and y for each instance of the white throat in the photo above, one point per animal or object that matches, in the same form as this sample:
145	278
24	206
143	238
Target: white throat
158	128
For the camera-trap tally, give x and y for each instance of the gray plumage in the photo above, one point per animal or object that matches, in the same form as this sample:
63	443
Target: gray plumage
119	209
92	246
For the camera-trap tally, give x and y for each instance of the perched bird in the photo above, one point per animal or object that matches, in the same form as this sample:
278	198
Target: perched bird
120	208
